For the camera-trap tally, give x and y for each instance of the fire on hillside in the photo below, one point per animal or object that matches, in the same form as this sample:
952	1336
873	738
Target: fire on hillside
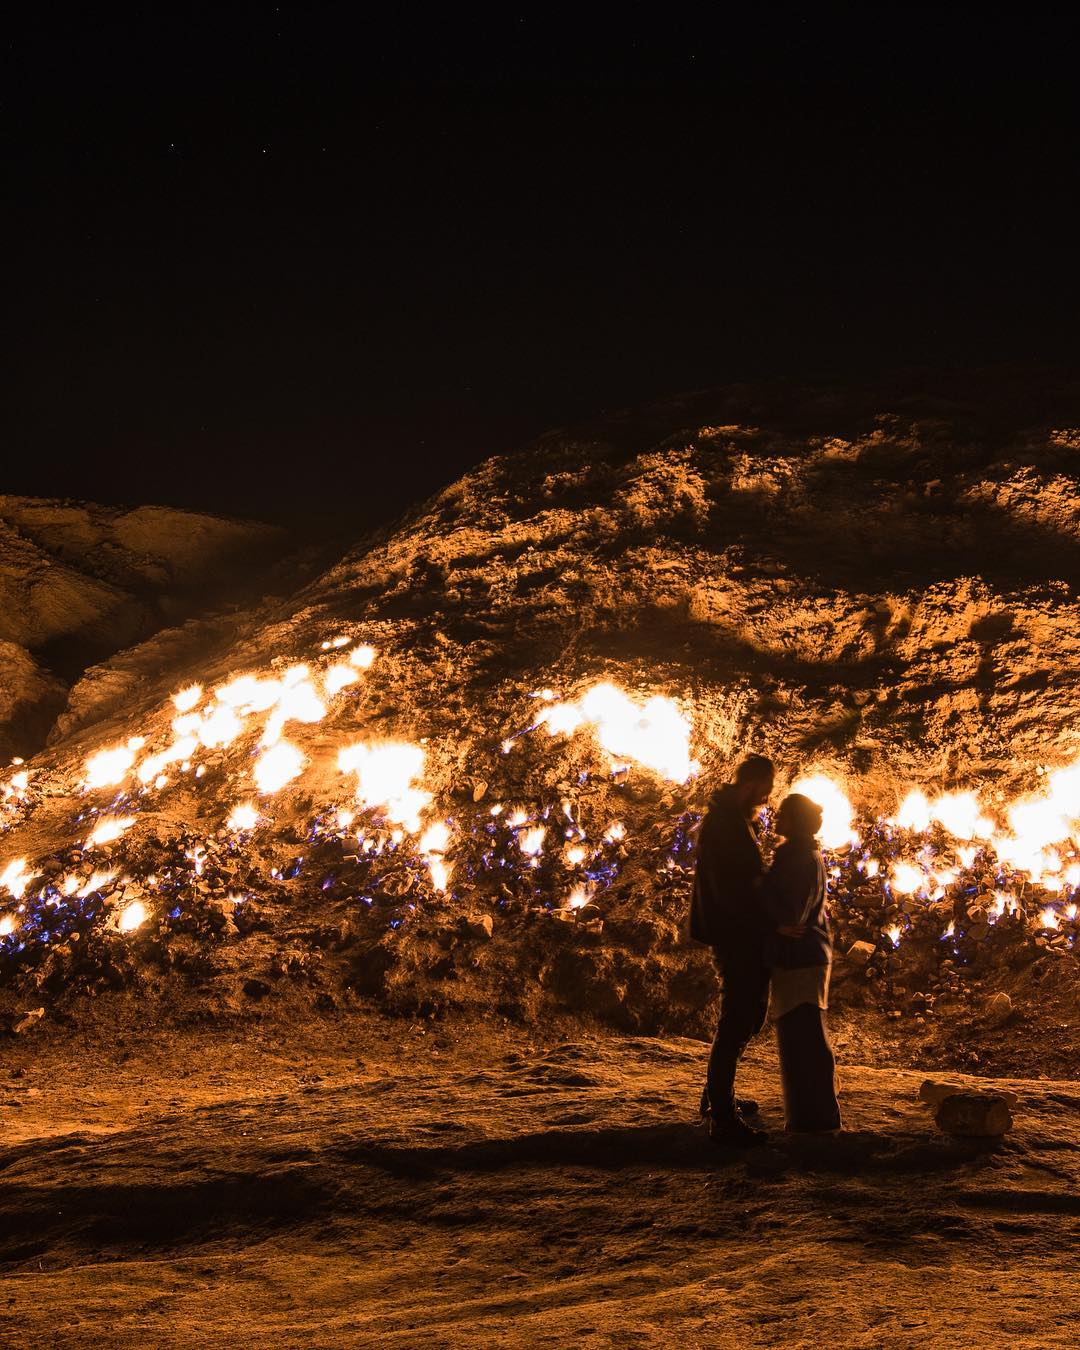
944	859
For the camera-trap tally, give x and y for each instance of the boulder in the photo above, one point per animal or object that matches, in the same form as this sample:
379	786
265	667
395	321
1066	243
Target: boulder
477	926
860	952
999	1009
975	1115
26	1019
933	1094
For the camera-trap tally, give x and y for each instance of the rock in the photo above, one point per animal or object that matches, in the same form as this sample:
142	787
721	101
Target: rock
477	926
999	1009
29	700
934	1093
978	930
105	688
478	790
977	1115
860	952
25	1020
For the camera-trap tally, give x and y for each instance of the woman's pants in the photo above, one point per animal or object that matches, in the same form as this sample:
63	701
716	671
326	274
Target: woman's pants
807	1070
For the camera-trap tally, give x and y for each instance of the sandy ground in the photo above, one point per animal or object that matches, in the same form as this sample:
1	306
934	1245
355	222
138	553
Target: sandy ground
388	1184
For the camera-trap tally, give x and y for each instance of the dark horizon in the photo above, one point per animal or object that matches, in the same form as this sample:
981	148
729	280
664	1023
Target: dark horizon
293	269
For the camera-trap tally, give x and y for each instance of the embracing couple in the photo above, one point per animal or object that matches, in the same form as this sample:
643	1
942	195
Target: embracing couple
768	929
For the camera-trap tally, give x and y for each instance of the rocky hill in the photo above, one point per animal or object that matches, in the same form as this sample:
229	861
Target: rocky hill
435	778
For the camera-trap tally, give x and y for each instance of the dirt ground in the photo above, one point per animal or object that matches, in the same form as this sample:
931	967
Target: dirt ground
376	1182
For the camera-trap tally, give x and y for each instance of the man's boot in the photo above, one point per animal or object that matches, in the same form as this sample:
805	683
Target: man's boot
747	1105
730	1129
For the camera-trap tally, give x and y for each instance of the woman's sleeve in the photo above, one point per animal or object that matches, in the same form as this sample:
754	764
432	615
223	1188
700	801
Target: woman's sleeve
788	887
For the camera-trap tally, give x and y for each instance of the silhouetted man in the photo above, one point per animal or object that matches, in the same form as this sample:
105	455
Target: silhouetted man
726	915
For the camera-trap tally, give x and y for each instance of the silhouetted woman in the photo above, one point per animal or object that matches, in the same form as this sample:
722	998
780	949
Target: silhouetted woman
800	953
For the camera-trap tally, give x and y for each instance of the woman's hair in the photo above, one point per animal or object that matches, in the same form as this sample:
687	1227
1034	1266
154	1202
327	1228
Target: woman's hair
804	815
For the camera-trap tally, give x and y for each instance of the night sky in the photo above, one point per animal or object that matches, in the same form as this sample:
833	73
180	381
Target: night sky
290	265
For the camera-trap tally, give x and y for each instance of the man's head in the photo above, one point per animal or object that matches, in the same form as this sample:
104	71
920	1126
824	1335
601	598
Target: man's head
754	781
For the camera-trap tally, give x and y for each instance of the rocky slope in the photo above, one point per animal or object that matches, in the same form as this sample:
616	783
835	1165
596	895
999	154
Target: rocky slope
879	589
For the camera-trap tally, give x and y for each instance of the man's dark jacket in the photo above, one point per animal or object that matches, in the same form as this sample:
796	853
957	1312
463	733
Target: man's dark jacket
726	911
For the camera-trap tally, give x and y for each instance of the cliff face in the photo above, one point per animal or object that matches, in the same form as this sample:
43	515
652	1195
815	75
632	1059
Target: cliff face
878	591
79	582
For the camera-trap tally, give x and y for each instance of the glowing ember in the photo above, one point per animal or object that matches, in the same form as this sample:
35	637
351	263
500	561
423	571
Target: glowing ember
109	828
362	657
97	880
905	878
247	694
837	831
914	813
894	933
615	832
219	727
578	898
298	703
435	839
277	766
7	925
961	815
109	767
15	878
187	698
131	917
575	855
532	841
1049	918
957	812
243	816
385	774
440	874
655	733
337	678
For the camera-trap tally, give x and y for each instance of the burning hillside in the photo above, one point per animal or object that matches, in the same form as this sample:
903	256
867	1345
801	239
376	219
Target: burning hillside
463	769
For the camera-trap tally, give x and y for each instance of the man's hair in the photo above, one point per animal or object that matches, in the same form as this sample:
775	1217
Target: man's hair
753	769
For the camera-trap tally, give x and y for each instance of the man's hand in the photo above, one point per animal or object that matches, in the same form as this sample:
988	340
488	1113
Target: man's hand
792	930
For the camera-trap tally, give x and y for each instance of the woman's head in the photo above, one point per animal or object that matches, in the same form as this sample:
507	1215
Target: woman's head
798	817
